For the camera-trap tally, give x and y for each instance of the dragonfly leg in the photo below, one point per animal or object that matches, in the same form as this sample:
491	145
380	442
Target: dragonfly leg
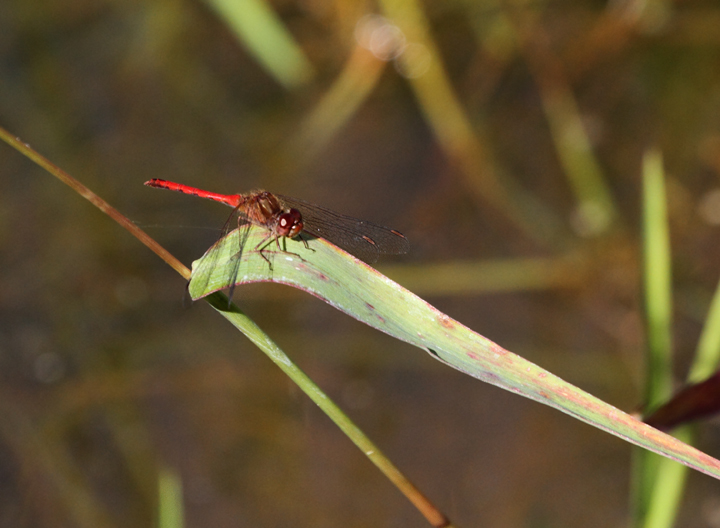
305	242
284	248
264	243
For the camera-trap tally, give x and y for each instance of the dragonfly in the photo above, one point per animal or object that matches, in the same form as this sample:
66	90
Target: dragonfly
284	217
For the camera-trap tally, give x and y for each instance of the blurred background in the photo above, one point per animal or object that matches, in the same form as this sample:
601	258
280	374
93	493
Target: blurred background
505	139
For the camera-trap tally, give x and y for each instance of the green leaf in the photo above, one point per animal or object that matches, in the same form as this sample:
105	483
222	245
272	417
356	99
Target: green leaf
170	500
657	282
355	288
262	31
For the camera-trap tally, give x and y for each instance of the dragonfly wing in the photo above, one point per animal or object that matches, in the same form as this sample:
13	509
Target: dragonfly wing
210	259
359	237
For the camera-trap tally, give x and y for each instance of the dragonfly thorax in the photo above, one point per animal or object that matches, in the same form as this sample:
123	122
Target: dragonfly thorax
269	211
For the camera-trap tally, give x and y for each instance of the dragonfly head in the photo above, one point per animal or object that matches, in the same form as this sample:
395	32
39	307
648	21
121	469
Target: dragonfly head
290	223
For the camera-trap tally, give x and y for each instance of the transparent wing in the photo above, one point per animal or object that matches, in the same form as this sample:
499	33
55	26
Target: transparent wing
363	239
236	220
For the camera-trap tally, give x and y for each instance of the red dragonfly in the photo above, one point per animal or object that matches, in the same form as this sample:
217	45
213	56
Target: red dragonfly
283	217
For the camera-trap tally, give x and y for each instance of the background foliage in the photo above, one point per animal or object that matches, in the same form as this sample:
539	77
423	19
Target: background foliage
505	140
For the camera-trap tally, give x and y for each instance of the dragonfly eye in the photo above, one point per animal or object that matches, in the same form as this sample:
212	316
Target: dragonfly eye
290	224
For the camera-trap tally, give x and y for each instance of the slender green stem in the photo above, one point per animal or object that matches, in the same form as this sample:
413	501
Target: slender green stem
93	198
248	327
658	484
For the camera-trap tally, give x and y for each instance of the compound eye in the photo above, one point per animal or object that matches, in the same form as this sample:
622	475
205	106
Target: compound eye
290	224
